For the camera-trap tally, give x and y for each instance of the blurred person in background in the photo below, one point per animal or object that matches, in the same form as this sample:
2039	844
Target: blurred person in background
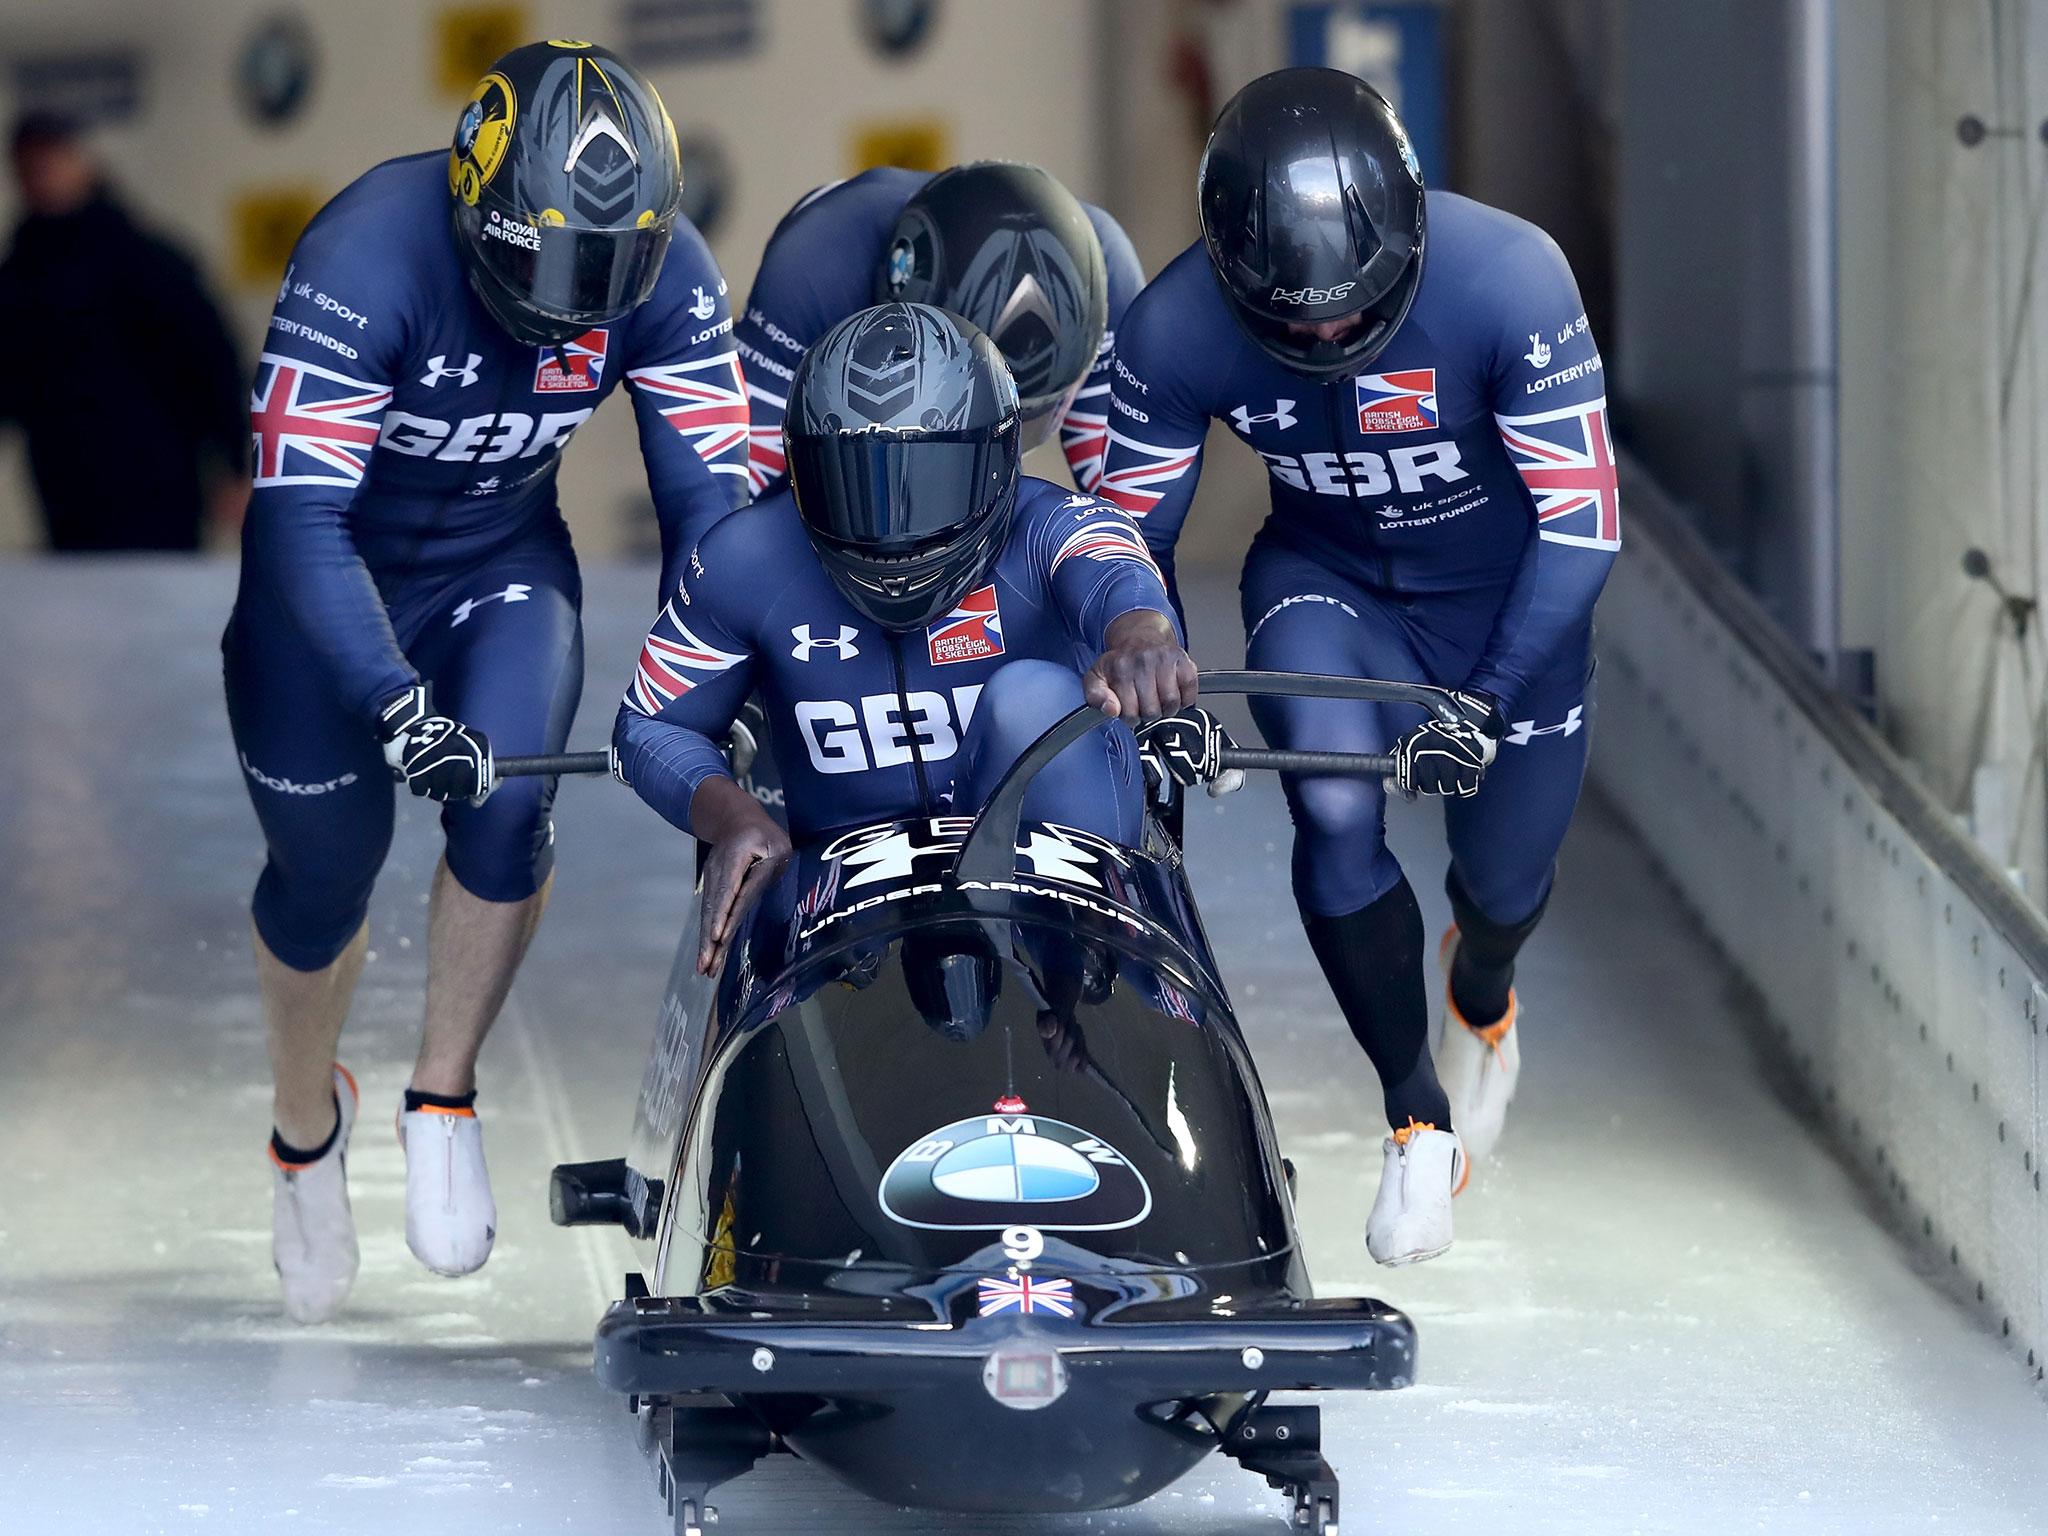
410	599
159	362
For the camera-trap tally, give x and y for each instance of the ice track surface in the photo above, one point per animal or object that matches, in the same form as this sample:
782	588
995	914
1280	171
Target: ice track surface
1667	1310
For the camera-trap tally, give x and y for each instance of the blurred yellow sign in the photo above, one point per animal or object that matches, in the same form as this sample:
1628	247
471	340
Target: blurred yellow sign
469	39
264	224
913	143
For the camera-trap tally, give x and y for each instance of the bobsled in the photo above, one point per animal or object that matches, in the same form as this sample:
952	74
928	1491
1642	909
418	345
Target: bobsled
958	1182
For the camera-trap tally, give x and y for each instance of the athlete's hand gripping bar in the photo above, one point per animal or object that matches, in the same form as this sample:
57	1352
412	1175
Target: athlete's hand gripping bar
989	853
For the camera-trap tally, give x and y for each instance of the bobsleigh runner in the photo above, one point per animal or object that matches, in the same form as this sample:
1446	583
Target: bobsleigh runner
963	1148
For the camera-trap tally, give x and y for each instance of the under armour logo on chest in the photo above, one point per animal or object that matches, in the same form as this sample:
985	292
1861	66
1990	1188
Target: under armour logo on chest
515	592
1282	416
842	646
438	369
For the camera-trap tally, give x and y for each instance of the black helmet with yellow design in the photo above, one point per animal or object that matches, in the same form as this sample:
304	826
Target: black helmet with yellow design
566	180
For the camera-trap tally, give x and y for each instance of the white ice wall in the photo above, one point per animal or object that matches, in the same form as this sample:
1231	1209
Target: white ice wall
1899	978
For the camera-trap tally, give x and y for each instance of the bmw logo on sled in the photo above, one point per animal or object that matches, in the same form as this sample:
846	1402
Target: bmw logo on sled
999	1170
962	1147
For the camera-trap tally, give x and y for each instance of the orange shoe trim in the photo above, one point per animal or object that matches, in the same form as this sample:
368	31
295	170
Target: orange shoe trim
441	1109
1407	1133
354	1094
1492	1034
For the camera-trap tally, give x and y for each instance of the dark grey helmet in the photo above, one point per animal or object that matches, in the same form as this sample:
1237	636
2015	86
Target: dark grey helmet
1313	212
566	183
903	445
1008	249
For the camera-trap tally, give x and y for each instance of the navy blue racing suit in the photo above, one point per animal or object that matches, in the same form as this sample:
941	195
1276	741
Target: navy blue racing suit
870	725
404	527
819	267
1448	517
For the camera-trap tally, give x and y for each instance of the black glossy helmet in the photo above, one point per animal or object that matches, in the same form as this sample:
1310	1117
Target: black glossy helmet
902	437
1313	212
1008	249
566	181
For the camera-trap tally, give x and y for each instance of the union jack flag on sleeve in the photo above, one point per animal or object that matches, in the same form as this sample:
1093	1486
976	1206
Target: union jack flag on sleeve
674	660
1084	435
1096	564
706	401
1106	538
1566	458
766	462
1137	476
311	425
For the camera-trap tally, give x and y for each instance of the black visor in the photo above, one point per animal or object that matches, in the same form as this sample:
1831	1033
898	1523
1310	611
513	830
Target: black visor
899	495
905	526
579	277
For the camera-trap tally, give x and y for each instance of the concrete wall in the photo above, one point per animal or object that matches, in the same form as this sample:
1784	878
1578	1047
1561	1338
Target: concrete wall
1538	105
1175	63
1699	181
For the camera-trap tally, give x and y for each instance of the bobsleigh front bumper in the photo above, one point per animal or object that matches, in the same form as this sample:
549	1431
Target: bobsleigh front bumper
676	1346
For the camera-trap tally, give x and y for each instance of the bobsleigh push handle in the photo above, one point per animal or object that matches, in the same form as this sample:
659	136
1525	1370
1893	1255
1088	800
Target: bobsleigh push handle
553	762
990	852
1365	764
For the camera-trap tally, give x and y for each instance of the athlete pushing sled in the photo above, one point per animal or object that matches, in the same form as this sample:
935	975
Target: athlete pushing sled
409	599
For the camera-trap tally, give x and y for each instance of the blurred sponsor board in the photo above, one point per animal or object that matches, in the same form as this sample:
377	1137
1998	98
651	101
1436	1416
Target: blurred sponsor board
913	143
688	31
897	28
275	69
469	39
264	223
89	87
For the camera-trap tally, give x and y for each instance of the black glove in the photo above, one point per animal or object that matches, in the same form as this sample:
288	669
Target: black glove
1188	749
434	755
1440	759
